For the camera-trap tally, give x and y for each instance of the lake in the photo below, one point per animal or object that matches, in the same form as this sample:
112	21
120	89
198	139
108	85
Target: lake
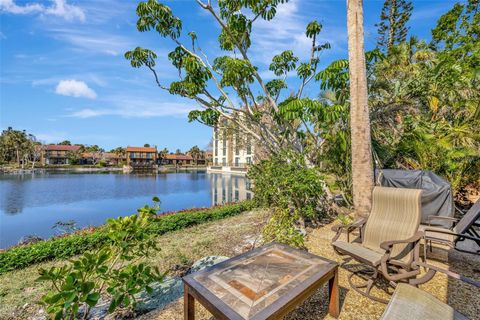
30	204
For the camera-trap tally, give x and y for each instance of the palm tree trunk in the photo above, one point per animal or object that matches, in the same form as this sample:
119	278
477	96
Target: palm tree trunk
362	165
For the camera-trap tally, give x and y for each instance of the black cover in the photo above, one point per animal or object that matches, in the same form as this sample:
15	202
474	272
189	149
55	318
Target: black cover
437	198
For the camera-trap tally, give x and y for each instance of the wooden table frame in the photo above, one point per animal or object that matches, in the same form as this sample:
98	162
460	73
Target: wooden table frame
288	302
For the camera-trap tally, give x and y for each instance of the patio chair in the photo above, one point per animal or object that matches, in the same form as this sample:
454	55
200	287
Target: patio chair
460	230
411	303
390	239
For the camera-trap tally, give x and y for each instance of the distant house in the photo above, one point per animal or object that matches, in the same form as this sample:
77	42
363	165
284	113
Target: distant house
56	154
209	156
92	158
141	156
114	159
177	159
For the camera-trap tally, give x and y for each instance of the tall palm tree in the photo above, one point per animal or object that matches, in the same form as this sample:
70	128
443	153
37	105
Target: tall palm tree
362	165
195	153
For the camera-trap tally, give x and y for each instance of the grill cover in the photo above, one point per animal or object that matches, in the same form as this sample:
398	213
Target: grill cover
437	198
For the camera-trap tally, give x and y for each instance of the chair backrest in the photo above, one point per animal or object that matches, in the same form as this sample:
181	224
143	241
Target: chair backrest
395	215
468	219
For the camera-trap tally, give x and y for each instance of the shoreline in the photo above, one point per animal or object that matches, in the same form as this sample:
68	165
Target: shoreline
95	169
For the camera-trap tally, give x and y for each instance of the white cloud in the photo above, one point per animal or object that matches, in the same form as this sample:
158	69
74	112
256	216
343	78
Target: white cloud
67	11
128	107
59	8
285	31
89	77
75	88
10	7
93	40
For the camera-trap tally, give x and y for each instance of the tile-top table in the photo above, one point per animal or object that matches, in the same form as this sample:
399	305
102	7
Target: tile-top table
265	283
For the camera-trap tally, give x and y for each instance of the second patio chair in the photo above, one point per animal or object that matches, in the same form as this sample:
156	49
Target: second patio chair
390	239
462	229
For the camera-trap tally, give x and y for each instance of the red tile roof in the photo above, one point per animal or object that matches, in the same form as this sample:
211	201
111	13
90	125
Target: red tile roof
178	157
59	147
141	149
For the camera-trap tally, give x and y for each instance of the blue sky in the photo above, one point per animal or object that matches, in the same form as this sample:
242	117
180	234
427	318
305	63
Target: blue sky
63	74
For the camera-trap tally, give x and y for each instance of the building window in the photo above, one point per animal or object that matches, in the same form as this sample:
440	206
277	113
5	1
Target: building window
249	146
216	147
237	195
216	161
237	161
249	196
224	161
249	160
237	146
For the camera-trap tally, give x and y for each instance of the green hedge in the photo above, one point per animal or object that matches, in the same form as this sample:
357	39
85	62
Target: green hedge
77	243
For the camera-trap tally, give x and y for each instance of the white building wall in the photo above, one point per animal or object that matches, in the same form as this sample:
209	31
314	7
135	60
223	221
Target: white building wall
226	153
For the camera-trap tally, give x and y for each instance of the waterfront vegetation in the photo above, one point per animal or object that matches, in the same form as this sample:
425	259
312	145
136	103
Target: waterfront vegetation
92	238
117	267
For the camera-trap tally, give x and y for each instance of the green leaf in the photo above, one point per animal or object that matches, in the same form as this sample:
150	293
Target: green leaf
92	299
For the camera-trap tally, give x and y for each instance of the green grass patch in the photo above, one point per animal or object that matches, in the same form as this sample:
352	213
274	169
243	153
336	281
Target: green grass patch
91	238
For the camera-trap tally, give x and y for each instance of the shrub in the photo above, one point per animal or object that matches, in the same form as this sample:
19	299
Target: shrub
286	183
117	269
92	238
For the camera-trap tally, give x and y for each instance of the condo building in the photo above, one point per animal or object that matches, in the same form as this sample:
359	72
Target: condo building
233	150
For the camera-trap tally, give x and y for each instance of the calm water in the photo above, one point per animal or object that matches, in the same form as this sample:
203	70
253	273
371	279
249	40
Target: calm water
31	204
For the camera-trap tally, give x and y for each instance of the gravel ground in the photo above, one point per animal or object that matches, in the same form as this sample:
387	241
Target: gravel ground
463	297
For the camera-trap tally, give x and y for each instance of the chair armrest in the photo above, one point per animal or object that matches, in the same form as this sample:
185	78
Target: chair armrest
357	224
387	245
449	273
354	225
408	272
445	231
451	219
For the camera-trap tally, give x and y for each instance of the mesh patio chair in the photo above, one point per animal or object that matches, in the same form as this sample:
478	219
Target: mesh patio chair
411	303
460	230
390	239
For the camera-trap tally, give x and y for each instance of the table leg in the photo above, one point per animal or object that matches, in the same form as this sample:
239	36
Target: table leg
334	304
188	304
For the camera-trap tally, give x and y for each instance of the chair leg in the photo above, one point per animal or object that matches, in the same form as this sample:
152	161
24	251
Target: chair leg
370	275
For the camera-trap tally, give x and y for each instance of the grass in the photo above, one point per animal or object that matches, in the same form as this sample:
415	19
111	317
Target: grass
179	249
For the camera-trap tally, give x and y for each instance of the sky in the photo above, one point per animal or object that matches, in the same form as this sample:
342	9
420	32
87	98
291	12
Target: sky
63	75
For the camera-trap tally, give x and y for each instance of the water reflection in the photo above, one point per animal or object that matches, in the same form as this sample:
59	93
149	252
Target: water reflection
226	188
31	204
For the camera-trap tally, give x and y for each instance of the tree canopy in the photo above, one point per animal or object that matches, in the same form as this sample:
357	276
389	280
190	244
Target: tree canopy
392	29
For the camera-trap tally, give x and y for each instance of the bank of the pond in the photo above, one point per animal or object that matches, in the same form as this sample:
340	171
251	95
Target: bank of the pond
67	246
19	292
